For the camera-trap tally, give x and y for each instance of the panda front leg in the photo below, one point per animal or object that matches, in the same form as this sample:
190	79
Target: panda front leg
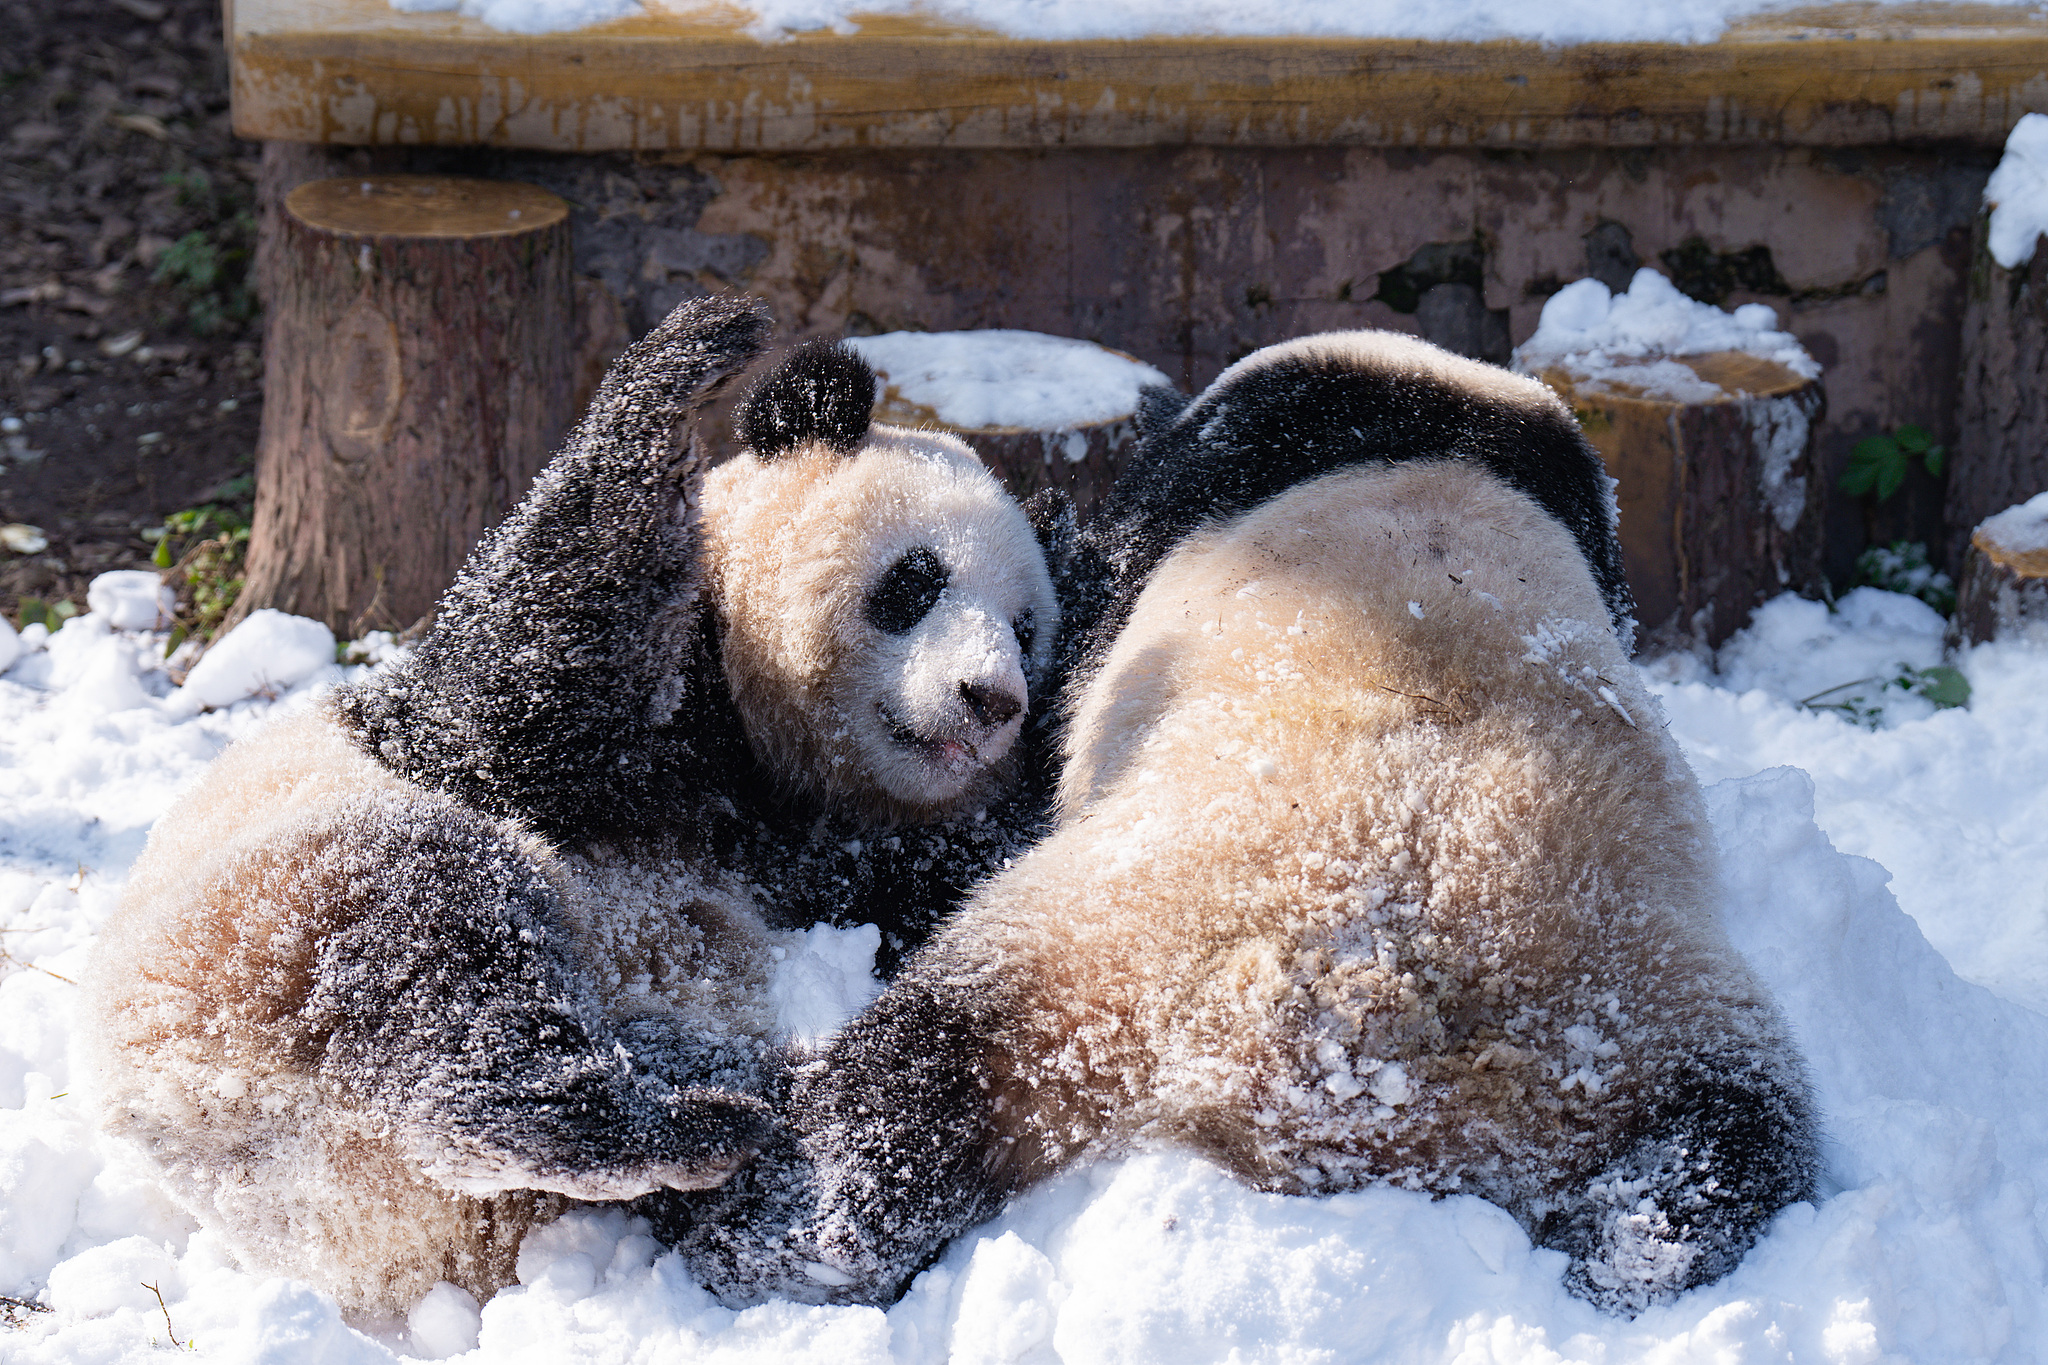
909	1130
562	681
1713	1158
444	996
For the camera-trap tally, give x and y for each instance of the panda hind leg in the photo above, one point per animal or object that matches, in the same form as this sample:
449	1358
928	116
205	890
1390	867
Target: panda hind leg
448	996
1706	1170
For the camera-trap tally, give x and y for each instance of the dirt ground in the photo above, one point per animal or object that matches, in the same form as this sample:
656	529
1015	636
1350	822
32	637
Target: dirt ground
130	361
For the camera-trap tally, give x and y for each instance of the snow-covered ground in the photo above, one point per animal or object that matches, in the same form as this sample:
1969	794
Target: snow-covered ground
1891	885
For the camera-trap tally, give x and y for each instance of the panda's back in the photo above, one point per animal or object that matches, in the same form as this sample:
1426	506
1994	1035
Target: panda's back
1385	744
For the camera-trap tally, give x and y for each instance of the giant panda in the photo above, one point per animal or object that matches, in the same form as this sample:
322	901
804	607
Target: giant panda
489	933
1374	864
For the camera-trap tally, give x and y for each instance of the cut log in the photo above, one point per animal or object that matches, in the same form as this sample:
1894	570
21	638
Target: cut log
1082	461
2002	592
2001	448
1041	411
1721	508
419	369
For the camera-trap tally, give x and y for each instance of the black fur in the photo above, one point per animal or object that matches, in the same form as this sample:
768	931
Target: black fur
442	991
824	392
1252	436
573	677
906	593
565	679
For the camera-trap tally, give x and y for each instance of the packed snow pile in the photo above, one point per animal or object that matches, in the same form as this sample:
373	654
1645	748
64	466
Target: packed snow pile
2017	193
1575	21
1007	378
1912	986
2021	530
1601	338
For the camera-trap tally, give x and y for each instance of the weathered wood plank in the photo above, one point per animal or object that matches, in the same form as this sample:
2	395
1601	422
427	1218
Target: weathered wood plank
358	72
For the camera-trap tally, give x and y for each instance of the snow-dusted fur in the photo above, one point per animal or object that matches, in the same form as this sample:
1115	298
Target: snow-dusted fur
489	932
1375	865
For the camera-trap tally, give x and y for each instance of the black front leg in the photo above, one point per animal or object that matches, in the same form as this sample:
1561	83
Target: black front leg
566	665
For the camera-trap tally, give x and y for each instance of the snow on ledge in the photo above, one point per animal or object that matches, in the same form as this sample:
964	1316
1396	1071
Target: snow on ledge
1561	23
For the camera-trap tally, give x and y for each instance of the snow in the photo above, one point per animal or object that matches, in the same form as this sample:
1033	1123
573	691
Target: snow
1890	885
1601	338
2017	193
1006	378
1570	21
2020	530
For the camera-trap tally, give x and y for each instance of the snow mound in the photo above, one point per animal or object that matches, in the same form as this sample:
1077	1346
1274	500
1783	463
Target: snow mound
1005	378
2017	193
131	599
268	653
1926	1247
1602	337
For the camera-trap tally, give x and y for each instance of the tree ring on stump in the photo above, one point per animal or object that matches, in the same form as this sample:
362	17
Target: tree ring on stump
424	206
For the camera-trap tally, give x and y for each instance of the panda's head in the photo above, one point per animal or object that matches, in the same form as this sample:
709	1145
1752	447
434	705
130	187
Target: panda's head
885	607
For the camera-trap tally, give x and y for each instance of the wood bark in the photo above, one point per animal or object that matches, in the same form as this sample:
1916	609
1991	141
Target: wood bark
2001	448
1082	461
2002	591
420	367
1721	506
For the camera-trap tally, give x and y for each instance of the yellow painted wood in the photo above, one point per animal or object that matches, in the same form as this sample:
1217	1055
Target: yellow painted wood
358	72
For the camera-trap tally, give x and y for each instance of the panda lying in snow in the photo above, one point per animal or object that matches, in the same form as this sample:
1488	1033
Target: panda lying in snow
402	974
1375	865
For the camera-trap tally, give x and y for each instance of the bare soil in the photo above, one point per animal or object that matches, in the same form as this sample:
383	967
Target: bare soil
129	345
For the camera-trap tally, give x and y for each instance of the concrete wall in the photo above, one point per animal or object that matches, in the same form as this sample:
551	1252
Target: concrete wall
1192	257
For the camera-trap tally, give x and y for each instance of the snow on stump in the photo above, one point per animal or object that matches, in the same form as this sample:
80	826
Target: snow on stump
1041	411
2001	446
2003	589
1705	419
418	372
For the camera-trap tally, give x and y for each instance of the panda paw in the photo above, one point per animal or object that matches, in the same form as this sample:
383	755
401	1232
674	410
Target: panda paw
695	1140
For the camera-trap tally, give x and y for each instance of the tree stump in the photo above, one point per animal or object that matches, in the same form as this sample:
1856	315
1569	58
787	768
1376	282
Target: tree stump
419	369
1721	506
2002	592
1041	411
2001	446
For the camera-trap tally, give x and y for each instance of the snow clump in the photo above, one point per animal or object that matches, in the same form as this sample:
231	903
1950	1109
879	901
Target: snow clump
1599	338
2017	193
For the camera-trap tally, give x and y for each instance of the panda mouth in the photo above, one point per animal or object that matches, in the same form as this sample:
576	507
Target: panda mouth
953	754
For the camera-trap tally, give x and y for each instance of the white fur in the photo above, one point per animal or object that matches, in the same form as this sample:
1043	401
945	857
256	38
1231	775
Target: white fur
793	546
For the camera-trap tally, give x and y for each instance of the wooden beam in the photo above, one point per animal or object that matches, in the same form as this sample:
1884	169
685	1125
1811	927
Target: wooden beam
359	72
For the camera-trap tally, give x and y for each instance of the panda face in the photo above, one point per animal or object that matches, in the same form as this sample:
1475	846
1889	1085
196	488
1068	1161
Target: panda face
884	613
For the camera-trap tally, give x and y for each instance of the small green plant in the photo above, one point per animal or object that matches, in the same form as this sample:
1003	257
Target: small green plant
34	611
1902	567
1863	701
204	547
208	267
1877	464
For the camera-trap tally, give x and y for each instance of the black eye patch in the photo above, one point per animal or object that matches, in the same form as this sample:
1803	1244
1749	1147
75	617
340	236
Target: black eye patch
911	588
1027	631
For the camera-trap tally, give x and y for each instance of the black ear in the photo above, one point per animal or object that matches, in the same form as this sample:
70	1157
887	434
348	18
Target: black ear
822	392
1158	407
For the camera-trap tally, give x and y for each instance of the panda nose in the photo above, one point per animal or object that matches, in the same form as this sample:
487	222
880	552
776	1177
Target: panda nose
991	706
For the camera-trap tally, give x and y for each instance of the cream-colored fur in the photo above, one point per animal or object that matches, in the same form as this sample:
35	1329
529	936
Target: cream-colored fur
1375	863
790	547
199	1045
